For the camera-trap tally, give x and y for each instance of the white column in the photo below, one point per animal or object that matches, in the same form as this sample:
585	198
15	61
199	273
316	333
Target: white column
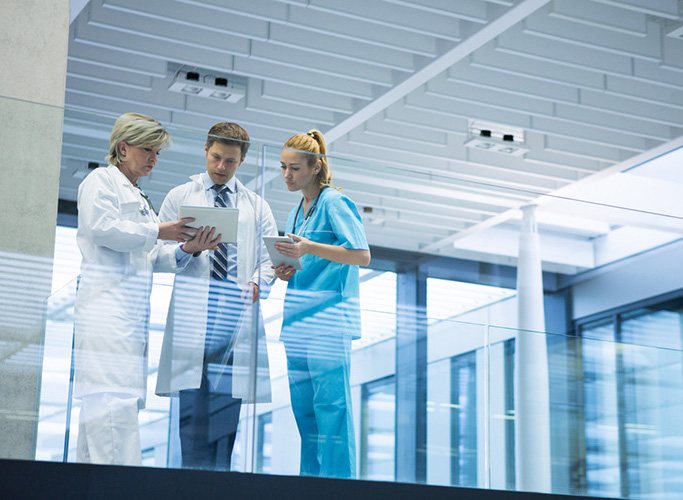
532	410
33	48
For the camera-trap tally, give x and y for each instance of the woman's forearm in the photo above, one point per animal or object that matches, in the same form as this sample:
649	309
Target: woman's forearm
341	255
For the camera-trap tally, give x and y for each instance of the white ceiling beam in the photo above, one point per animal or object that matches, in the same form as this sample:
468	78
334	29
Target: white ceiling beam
418	120
569	192
515	41
513	84
494	106
393	16
566	99
634	108
114	59
555	248
602	16
660	8
266	10
606	120
624	242
302	78
419	78
366	32
509	63
647	47
114	76
295	59
353	51
254	101
474	12
134	45
515	185
193	37
568	146
311	98
162	14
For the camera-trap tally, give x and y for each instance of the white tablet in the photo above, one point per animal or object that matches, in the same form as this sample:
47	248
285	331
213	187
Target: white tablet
277	258
223	219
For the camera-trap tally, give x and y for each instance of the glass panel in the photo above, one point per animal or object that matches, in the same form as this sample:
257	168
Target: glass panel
441	323
610	409
378	446
600	388
57	369
464	420
651	381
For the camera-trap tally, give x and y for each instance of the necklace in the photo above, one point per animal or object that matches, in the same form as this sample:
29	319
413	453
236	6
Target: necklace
308	215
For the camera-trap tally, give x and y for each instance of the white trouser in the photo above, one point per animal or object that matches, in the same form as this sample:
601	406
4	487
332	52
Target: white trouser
108	430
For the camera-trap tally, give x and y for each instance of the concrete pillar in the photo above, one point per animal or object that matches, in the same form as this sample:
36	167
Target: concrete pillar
33	48
532	408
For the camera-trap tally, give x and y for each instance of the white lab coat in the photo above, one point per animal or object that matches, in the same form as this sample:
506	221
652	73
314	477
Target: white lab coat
120	251
182	353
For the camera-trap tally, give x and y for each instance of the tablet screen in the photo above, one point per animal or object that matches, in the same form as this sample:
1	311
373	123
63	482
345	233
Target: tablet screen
223	219
277	258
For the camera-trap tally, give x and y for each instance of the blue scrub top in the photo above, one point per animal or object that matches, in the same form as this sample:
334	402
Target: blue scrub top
324	297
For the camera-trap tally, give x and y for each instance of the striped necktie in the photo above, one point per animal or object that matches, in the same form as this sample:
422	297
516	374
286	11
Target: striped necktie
219	265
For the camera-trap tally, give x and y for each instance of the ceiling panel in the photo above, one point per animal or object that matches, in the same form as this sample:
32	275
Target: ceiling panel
596	85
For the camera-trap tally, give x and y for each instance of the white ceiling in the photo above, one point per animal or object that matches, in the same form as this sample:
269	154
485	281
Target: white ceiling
596	86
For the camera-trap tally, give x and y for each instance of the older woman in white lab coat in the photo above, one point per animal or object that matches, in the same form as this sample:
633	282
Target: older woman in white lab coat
118	235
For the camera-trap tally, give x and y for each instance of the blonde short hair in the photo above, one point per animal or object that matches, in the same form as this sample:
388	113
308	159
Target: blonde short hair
136	130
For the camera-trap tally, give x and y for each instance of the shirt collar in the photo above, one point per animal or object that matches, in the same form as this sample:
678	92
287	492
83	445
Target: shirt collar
208	183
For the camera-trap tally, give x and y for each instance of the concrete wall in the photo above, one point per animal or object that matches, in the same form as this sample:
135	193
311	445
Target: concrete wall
33	50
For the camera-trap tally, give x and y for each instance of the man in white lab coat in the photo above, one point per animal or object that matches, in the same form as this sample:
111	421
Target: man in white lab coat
207	353
118	235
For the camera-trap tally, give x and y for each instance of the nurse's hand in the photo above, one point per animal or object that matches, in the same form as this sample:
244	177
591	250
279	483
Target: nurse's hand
284	273
177	230
203	240
300	247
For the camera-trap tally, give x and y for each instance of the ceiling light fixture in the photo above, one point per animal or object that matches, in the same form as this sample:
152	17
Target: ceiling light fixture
498	138
204	84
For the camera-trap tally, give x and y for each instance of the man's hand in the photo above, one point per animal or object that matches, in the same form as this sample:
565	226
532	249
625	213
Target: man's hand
250	293
203	240
284	273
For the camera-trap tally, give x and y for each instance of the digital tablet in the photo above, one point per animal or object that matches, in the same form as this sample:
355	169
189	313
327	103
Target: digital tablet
223	219
277	258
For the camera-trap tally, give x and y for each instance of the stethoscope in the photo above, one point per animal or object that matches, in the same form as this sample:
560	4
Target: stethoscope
143	200
308	215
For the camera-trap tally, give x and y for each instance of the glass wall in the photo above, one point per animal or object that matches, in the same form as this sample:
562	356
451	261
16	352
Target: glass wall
434	390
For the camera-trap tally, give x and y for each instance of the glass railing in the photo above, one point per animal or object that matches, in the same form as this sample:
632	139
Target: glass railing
449	382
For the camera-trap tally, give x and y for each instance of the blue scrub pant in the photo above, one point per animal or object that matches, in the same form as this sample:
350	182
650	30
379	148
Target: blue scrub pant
209	415
319	385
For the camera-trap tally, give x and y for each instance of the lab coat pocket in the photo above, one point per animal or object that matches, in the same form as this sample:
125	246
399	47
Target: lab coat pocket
130	210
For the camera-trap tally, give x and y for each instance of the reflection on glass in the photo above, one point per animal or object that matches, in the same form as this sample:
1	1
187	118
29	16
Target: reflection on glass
633	393
378	427
464	420
618	415
264	437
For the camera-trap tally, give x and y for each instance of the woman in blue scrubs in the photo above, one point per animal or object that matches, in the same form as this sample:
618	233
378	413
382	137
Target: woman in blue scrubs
322	307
